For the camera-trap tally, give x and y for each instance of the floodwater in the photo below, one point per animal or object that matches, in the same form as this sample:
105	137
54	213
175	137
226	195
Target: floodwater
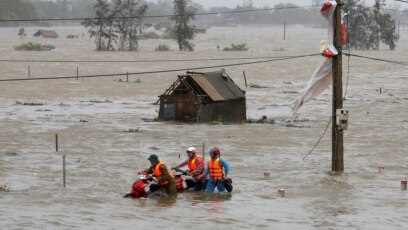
102	159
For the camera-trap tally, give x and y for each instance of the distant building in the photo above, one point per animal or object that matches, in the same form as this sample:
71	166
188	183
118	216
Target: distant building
203	97
46	34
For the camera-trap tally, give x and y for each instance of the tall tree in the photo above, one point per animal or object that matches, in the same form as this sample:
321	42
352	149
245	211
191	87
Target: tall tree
368	26
100	27
183	13
130	23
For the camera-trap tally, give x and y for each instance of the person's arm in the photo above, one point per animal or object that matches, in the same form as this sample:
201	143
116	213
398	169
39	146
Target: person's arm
149	170
205	173
226	167
182	164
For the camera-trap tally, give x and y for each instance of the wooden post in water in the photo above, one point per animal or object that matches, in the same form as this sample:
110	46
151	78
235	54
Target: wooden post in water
56	142
63	161
246	85
337	133
127	76
204	152
284	31
63	171
29	71
77	73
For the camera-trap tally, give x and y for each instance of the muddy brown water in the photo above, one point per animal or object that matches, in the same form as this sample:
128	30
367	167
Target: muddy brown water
102	159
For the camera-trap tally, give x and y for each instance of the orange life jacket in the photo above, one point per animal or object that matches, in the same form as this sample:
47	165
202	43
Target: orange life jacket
215	169
157	172
191	163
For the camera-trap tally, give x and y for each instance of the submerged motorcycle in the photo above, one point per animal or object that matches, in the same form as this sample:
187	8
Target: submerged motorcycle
146	186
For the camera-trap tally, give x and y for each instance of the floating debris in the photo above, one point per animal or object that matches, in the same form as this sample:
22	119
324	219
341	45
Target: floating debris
290	92
4	188
12	154
81	120
97	101
254	85
263	120
132	130
29	103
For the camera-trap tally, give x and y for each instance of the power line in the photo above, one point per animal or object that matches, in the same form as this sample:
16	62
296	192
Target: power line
157	71
378	59
158	16
318	142
141	61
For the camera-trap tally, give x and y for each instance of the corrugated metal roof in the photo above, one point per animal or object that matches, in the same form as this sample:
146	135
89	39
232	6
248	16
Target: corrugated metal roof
217	86
46	33
202	81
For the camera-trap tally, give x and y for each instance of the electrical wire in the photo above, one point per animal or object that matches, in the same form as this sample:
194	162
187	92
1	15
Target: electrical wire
348	72
159	16
157	71
318	142
378	59
141	61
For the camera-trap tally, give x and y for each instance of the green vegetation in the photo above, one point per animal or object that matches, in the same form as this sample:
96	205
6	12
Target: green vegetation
132	130
238	47
162	47
30	46
5	188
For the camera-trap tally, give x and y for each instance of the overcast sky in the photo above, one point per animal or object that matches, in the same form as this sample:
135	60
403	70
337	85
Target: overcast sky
261	3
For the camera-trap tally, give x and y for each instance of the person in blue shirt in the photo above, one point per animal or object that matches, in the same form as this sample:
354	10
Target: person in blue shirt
217	171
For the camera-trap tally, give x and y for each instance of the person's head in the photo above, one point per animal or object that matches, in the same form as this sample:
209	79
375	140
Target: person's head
191	152
214	152
154	159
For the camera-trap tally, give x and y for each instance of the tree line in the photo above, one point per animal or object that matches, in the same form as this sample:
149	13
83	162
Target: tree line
367	26
123	21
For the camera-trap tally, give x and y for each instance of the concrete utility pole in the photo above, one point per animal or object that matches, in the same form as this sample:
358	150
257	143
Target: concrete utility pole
337	133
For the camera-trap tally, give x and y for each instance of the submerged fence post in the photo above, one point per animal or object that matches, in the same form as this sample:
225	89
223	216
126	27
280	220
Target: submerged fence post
127	76
29	71
56	142
204	152
77	73
246	85
63	162
63	170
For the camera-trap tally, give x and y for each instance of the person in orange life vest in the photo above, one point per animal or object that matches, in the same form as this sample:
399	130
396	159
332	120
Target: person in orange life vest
163	175
195	166
217	171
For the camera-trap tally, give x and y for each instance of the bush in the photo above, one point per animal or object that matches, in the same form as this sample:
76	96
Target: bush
162	47
238	47
29	47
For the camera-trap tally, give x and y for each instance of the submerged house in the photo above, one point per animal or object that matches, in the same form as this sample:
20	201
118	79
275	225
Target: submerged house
46	34
203	97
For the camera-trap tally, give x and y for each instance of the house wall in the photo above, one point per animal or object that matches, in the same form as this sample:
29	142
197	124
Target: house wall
180	108
232	111
184	108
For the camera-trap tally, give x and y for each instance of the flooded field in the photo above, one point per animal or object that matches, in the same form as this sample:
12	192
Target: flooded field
91	116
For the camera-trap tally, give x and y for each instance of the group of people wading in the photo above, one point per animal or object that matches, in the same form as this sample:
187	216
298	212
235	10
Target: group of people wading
207	178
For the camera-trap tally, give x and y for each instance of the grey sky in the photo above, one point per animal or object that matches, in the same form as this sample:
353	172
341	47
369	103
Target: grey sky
261	3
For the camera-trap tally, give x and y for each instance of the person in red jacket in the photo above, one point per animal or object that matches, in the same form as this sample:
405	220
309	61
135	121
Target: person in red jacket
195	166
